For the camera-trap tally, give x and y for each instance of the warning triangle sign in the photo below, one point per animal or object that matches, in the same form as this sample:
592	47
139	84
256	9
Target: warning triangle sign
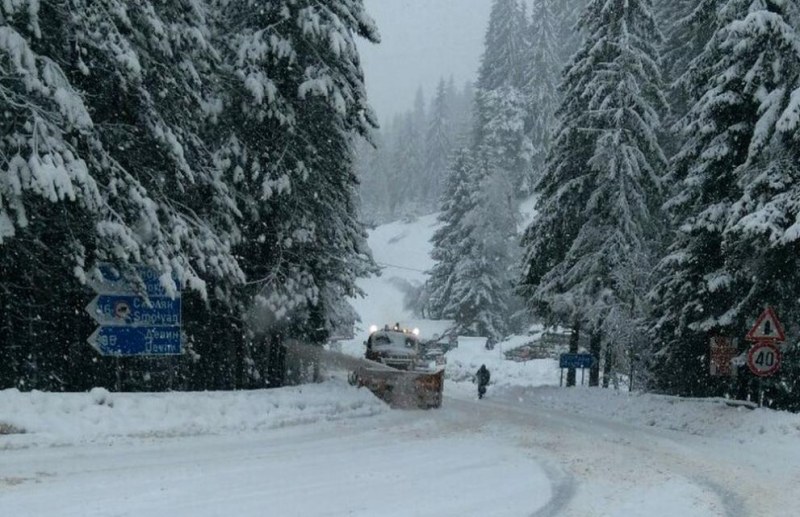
767	328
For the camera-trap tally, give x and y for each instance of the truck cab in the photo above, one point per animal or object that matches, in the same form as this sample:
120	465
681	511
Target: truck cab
394	346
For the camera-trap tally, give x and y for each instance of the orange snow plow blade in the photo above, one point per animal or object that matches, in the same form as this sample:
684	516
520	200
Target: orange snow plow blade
401	388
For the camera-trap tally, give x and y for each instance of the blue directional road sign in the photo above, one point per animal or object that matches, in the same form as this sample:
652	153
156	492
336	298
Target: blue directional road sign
136	341
575	361
131	310
137	317
111	281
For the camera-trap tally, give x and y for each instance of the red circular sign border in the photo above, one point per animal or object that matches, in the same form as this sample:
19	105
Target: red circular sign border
778	358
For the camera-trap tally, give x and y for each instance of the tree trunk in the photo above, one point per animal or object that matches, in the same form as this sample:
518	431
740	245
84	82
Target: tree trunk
276	366
573	349
595	346
607	365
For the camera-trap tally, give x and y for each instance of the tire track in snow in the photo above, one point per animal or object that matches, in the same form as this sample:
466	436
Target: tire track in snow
563	492
591	449
732	504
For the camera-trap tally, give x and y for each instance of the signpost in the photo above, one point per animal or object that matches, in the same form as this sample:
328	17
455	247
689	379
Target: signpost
581	361
111	282
575	361
125	309
136	341
144	323
767	328
723	350
764	357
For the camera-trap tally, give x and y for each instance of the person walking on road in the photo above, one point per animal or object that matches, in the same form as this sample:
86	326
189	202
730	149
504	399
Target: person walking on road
482	377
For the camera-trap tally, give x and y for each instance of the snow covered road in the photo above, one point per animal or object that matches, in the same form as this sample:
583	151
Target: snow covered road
396	464
499	457
599	467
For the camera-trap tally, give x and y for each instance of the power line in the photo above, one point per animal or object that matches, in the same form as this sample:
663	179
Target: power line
383	264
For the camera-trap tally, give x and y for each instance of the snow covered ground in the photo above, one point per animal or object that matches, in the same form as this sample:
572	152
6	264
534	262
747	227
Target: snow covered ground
529	448
332	450
56	419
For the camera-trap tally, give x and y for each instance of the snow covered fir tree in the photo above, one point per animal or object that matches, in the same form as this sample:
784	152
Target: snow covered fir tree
734	209
211	143
598	227
729	70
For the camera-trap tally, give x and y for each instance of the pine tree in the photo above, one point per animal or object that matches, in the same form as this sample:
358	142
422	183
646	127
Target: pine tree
415	184
371	170
689	24
470	282
301	101
463	105
206	141
504	113
598	215
149	124
500	105
405	164
438	145
403	175
450	240
736	174
542	75
504	46
569	36
482	277
125	167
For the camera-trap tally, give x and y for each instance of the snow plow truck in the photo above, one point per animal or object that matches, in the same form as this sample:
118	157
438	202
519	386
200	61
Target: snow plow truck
400	377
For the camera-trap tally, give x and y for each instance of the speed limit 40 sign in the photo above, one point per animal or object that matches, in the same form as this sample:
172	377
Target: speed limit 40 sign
764	359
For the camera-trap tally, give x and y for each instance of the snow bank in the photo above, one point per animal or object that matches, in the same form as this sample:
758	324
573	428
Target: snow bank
464	361
68	418
536	383
711	417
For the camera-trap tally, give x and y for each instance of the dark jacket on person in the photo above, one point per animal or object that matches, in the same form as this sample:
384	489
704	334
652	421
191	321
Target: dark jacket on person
483	375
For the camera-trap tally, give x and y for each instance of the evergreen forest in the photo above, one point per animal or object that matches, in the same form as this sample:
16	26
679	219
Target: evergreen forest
230	147
659	140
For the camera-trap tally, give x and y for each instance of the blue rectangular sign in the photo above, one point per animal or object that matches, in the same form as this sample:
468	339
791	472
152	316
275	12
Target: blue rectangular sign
112	281
137	341
575	361
126	309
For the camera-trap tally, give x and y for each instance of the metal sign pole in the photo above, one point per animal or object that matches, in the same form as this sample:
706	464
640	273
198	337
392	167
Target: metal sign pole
630	378
561	381
118	385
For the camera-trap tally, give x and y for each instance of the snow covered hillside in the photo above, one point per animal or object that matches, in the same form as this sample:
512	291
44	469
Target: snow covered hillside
402	249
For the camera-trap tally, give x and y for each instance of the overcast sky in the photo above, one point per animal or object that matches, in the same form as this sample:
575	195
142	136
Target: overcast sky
421	41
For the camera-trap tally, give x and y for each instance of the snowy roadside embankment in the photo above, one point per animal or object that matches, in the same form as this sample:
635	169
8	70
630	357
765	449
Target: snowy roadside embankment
464	361
69	418
711	417
535	383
